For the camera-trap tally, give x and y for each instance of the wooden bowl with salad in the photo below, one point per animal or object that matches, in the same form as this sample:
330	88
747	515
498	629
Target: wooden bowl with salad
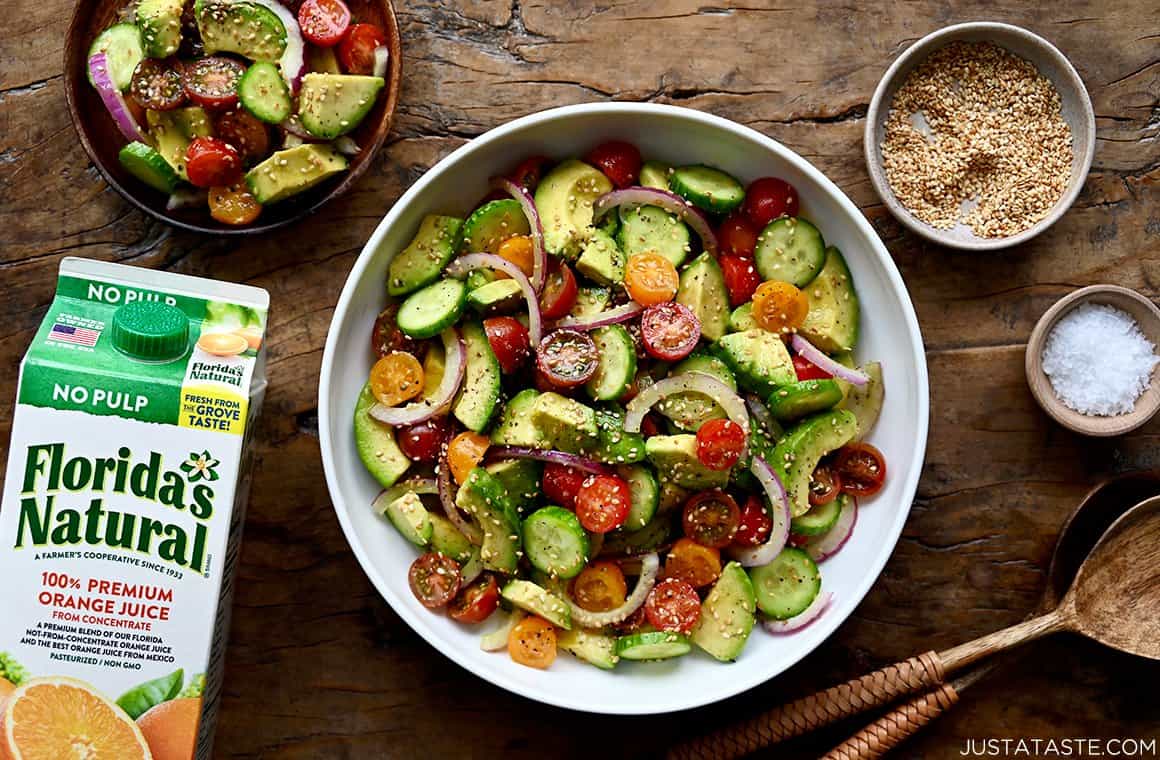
232	117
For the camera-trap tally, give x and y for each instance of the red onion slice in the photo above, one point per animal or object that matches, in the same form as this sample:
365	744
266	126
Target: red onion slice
420	411
186	198
528	205
621	313
649	566
293	60
548	455
470	531
803	619
671	202
113	100
760	413
382	58
465	264
346	146
497	640
819	359
827	545
779	508
418	486
698	382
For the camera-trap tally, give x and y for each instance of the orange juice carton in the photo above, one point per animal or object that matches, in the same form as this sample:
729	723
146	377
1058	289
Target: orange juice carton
122	512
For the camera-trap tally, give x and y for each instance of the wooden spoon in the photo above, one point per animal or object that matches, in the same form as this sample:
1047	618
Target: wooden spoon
1115	599
1095	513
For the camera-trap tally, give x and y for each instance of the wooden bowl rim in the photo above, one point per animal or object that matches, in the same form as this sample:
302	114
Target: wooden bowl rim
74	50
1146	405
995	32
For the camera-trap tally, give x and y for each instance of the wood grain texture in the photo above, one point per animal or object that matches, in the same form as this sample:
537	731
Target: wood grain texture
319	666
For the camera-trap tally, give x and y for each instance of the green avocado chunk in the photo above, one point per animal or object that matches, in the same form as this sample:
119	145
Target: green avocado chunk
565	424
833	319
160	25
515	426
293	170
173	131
759	359
375	443
539	601
601	260
728	615
702	289
484	498
564	199
237	26
331	105
425	257
675	458
797	454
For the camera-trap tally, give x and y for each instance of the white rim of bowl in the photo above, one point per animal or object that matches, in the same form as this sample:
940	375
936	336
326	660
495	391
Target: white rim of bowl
418	619
924	47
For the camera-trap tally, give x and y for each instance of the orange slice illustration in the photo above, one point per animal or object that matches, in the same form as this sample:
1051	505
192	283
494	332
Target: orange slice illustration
253	336
222	344
66	719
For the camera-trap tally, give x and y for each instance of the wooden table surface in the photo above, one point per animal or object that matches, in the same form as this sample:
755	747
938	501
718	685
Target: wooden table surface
320	667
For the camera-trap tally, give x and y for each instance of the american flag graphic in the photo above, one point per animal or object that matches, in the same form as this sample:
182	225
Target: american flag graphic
82	336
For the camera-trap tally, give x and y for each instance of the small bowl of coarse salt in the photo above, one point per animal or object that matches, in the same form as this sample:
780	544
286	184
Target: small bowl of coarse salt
1091	360
979	136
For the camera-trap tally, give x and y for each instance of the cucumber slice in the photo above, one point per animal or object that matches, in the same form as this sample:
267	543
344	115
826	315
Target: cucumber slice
593	647
790	249
655	174
786	586
617	366
491	224
555	542
591	300
804	397
123	49
707	188
409	517
479	398
149	166
537	600
649	228
819	519
645	494
430	311
652	645
264	93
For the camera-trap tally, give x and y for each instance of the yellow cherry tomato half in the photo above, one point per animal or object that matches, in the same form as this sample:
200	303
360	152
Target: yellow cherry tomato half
600	587
233	205
650	278
780	307
465	451
397	377
532	642
519	250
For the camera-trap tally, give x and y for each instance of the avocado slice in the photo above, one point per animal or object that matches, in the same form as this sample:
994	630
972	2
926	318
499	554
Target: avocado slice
410	518
160	25
728	615
702	289
515	426
798	452
376	443
479	397
804	397
330	105
537	600
866	402
236	26
655	174
742	318
172	132
689	409
601	259
832	321
491	224
425	257
564	198
675	457
293	170
521	478
565	424
497	295
593	647
483	497
615	445
759	358
447	540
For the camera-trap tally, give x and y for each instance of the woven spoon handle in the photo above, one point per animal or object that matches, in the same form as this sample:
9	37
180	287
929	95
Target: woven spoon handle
886	733
871	690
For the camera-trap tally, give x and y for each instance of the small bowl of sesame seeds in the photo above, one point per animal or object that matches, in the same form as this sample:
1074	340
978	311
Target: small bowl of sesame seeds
979	136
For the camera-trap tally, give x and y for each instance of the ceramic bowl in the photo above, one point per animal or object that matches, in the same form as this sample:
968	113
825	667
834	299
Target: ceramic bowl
680	136
1076	108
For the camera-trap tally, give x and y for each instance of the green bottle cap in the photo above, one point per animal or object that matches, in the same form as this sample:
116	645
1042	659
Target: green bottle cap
151	331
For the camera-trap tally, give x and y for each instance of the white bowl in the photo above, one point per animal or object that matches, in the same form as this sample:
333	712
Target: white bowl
680	136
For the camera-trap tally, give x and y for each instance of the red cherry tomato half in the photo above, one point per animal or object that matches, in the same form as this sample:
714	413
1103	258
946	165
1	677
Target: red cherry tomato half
509	342
807	370
618	160
673	605
529	172
862	469
475	602
711	518
434	579
603	503
213	81
720	443
387	337
562	484
560	291
245	132
423	441
741	278
323	22
211	162
670	331
755	524
650	426
156	85
825	485
356	51
737	236
567	357
768	198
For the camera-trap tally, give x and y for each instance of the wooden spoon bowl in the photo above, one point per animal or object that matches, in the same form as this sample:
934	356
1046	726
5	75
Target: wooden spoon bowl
102	141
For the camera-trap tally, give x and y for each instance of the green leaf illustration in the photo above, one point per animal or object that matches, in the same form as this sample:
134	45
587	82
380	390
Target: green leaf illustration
141	698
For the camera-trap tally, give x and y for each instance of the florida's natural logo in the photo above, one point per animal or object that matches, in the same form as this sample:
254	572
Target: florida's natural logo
49	473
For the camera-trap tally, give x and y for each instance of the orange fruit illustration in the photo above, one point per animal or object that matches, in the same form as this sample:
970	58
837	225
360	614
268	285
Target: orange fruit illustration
253	336
170	728
222	344
66	719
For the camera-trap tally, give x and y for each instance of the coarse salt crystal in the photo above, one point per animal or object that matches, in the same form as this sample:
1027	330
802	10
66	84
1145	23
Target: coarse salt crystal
1098	361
